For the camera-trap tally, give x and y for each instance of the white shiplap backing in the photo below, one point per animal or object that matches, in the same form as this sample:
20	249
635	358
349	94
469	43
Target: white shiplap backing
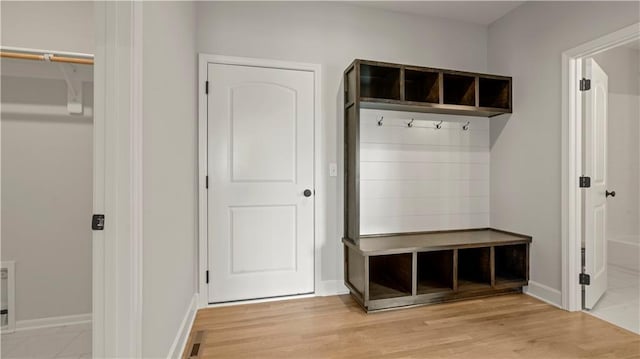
421	178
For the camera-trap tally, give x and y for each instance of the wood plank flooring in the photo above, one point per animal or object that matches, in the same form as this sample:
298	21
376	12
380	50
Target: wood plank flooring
509	326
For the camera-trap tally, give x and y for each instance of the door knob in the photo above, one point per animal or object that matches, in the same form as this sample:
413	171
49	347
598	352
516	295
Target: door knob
607	193
307	193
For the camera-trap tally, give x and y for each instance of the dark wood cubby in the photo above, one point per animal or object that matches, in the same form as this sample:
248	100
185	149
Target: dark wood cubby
390	276
388	86
431	267
380	82
395	270
459	89
421	86
474	268
511	264
435	272
494	93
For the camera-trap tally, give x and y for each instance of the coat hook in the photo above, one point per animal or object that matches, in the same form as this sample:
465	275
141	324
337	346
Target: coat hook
466	126
380	120
410	124
439	125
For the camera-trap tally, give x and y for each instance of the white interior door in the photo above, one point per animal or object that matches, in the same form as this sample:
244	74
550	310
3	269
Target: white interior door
260	164
595	197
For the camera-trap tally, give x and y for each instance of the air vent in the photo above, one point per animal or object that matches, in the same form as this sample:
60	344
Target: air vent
196	344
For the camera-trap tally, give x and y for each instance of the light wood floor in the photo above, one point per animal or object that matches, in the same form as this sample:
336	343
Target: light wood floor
510	326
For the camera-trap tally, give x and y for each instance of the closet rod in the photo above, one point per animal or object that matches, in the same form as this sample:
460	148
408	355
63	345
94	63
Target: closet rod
43	55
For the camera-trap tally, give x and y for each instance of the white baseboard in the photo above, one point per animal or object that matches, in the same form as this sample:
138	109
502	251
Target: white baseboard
180	341
331	287
52	322
544	293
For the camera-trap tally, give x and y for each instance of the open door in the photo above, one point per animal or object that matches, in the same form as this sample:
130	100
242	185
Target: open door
595	161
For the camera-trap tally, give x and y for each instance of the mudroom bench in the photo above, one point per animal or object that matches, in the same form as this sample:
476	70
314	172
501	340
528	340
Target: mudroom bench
391	271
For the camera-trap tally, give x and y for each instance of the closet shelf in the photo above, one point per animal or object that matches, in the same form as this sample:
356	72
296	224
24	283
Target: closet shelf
408	106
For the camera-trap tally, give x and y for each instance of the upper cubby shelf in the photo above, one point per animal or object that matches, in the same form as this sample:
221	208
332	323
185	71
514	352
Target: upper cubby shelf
422	89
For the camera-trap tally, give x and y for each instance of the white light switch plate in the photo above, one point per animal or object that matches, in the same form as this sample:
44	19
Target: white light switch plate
333	169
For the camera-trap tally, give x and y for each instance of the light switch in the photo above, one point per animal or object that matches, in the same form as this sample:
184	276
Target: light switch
333	169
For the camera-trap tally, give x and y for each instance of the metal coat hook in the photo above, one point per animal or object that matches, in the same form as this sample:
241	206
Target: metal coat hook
380	120
410	124
465	126
439	125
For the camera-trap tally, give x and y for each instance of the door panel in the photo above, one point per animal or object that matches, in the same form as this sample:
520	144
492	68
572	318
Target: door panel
596	166
263	130
275	226
260	147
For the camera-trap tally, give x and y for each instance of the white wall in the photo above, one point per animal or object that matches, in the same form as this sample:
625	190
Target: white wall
170	163
526	155
48	25
46	162
622	65
333	34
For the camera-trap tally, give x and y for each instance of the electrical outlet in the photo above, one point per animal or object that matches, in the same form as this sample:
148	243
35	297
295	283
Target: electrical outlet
333	169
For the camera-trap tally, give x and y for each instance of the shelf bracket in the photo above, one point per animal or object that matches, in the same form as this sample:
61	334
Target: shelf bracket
74	88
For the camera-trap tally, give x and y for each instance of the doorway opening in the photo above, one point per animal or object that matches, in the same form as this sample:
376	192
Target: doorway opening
616	296
47	202
601	161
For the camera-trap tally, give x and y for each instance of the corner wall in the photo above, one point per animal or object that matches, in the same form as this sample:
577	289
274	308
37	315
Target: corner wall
170	172
527	44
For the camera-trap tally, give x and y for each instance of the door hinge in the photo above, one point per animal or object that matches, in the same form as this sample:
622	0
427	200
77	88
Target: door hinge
584	279
585	182
206	182
585	84
97	222
207	277
206	87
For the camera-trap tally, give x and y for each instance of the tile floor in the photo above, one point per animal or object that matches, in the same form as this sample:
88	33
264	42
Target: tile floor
620	305
72	341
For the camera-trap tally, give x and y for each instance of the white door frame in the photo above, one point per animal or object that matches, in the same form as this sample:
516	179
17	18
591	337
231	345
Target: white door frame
572	157
117	176
318	150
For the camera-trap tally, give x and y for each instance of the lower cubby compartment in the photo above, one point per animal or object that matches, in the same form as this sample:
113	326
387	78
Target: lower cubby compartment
510	263
474	268
435	272
390	276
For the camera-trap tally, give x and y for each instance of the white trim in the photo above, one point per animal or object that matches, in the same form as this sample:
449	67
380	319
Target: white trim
323	289
319	167
136	178
572	158
331	287
260	300
10	266
50	322
180	341
202	190
117	268
544	293
98	280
